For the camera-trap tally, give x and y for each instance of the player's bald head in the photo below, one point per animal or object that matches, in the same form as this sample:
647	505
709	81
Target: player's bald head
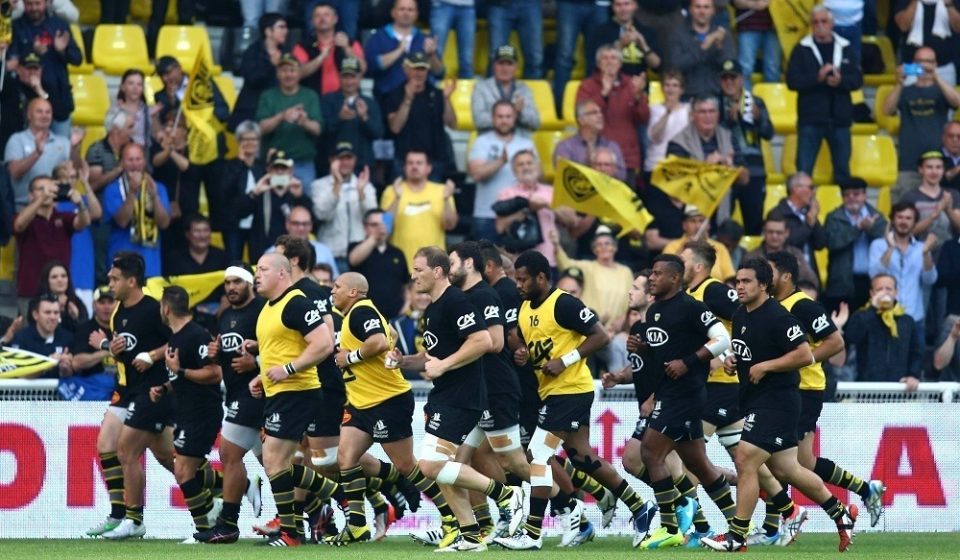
277	261
354	281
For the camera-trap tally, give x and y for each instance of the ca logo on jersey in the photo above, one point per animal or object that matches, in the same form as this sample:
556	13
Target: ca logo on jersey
371	324
466	321
129	341
794	332
706	317
586	315
657	336
820	323
203	352
491	312
539	351
741	349
231	342
429	340
321	305
311	317
510	315
732	294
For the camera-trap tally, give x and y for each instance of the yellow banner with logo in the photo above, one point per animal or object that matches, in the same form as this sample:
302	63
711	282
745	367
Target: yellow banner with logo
694	182
791	20
198	110
15	363
198	286
598	194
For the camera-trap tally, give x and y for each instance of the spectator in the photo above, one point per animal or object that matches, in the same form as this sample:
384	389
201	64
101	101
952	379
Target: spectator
460	15
938	209
775	235
696	227
264	206
393	43
703	140
340	201
667	119
606	283
574	17
322	273
729	233
948	274
299	224
258	66
755	32
82	255
239	179
664	16
410	326
823	75
848	23
348	14
102	154
914	266
581	146
623	100
698	48
45	336
48	37
422	211
44	234
946	359
199	256
488	165
175	83
322	53
531	197
349	116
667	224
951	155
63	9
416	114
375	257
849	230
254	11
638	44
34	151
502	85
19	88
171	165
138	209
94	370
290	118
929	23
801	210
55	280
924	103
885	336
526	17
132	101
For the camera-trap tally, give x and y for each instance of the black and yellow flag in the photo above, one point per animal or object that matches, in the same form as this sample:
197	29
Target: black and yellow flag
198	286
6	22
694	182
198	110
791	19
15	363
598	194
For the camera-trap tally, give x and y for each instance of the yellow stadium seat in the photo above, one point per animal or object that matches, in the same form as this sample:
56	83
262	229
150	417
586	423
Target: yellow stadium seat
460	99
91	98
470	140
84	67
769	165
822	168
781	104
89	11
93	135
656	93
227	88
151	86
822	257
750	242
773	196
546	142
450	53
543	97
883	201
830	199
7	264
117	48
889	75
856	96
874	159
570	102
889	123
481	52
183	42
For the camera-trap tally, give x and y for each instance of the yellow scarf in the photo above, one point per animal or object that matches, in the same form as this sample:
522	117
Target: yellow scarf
889	317
144	230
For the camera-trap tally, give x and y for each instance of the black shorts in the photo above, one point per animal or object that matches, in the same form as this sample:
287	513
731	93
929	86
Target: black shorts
503	411
449	423
529	414
391	420
326	422
811	405
772	429
723	404
565	413
287	414
678	419
641	427
154	417
245	411
194	438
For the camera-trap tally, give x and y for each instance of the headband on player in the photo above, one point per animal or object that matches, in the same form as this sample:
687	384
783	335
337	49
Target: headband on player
237	272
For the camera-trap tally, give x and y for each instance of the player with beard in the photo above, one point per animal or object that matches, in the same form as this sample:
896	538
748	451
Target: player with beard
197	404
455	340
826	342
244	417
138	344
681	337
769	348
559	334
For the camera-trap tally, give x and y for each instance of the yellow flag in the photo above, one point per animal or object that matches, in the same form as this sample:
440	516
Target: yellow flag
702	184
20	363
198	110
6	22
198	286
598	194
791	19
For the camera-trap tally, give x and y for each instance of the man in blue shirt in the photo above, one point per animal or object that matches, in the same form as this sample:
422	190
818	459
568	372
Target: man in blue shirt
138	208
387	47
47	338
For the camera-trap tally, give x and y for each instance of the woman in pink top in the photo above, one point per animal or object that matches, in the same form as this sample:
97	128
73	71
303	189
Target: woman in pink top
666	119
526	169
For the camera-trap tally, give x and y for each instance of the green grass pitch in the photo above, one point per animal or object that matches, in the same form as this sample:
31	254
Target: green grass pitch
873	546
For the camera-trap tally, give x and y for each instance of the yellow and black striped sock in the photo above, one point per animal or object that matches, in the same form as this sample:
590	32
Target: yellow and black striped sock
484	519
534	524
719	492
230	514
388	472
210	478
739	528
771	518
587	483
198	501
135	514
310	480
354	486
626	495
831	473
282	486
666	495
113	477
834	508
430	488
497	491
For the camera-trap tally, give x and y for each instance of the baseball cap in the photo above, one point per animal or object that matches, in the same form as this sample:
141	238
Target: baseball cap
853	183
103	292
31	60
344	148
280	159
730	67
931	154
350	65
505	52
691	211
416	59
288	59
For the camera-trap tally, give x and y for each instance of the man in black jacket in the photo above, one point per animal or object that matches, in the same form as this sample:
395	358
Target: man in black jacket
801	211
821	71
637	42
258	67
